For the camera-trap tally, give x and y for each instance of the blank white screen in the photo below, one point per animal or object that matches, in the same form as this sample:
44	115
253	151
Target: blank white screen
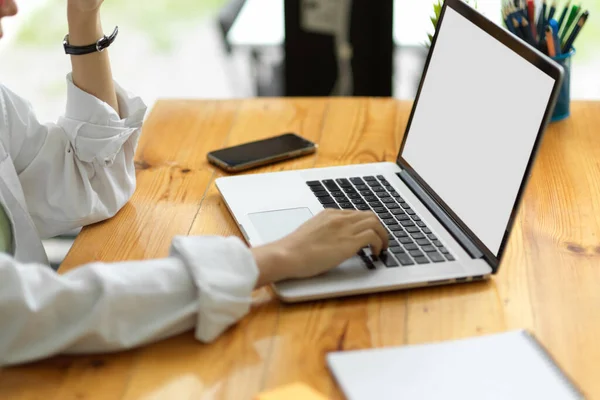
475	124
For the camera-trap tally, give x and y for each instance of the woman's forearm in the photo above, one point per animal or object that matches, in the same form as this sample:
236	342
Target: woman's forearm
273	263
91	72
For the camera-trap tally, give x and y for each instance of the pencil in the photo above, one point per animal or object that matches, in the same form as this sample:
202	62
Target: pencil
523	9
570	21
527	32
550	42
509	26
541	22
569	43
563	15
517	27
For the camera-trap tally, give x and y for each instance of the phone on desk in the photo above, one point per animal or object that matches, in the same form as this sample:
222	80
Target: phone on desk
261	152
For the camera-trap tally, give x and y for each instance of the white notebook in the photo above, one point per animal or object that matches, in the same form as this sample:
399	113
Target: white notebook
510	365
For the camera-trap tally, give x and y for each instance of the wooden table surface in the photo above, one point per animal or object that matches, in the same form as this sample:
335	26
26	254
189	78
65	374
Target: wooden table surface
549	281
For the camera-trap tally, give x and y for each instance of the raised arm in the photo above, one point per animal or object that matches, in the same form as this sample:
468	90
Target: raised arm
91	72
80	169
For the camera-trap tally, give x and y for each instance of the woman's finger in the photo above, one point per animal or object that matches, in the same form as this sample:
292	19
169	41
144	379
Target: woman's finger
372	223
371	238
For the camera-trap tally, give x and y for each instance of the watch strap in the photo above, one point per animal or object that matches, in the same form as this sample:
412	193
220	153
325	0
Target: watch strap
99	46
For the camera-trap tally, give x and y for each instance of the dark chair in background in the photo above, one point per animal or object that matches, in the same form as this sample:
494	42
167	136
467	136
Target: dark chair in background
311	67
306	65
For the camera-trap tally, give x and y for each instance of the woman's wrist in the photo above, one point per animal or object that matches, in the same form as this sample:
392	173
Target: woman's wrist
274	263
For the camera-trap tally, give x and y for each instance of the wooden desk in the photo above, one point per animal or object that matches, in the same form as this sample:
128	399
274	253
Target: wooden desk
549	281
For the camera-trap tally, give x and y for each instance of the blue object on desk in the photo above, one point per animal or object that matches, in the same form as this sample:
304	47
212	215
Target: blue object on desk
557	45
562	109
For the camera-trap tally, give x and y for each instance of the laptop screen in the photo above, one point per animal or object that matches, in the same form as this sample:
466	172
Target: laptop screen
474	127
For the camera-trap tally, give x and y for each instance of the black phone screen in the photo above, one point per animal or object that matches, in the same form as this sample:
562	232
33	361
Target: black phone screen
262	149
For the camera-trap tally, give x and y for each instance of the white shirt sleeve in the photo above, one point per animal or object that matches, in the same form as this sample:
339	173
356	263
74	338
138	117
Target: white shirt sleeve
79	170
205	283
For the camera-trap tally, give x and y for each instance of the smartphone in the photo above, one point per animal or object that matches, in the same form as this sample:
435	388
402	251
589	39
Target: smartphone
261	152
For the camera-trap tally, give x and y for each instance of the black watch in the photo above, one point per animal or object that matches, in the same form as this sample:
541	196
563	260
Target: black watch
100	45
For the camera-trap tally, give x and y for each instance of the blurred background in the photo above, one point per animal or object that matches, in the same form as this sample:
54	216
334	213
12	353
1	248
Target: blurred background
219	49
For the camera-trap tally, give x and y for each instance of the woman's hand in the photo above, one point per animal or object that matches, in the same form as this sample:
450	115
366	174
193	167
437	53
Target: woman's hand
320	244
84	6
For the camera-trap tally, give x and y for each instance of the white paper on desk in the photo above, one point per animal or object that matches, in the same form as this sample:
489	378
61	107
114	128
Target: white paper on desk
509	365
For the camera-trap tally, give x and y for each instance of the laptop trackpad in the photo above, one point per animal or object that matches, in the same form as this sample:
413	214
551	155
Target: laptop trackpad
274	225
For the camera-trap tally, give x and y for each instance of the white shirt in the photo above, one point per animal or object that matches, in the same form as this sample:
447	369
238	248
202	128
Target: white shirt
56	177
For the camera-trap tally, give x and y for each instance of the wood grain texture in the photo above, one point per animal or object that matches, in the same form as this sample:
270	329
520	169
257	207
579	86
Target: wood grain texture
549	281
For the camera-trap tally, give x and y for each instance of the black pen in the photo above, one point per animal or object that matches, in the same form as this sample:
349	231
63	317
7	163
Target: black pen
569	43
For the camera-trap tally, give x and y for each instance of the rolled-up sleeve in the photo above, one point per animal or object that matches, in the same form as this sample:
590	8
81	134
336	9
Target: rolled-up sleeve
225	274
79	170
205	284
94	128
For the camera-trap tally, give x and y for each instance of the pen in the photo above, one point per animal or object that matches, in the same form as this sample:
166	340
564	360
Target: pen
550	41
567	47
563	15
552	11
541	22
570	21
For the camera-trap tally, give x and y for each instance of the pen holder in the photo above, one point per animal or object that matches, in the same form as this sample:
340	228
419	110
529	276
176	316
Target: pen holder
563	104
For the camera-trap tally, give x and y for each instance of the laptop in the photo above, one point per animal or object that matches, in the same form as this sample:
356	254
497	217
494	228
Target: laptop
450	199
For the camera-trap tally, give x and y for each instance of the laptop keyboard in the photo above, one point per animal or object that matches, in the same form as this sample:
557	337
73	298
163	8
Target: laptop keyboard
411	242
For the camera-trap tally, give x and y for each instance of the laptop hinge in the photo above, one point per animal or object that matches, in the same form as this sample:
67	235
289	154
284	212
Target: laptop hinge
442	217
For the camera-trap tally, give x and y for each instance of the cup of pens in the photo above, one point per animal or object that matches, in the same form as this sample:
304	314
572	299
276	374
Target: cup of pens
554	38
